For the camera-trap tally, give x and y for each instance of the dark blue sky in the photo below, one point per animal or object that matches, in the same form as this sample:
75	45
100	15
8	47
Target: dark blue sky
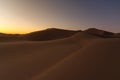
68	14
92	13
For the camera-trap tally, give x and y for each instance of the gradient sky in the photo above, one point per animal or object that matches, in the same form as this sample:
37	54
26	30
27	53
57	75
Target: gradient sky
22	16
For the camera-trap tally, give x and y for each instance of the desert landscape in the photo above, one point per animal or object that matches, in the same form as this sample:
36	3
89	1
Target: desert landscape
59	39
91	54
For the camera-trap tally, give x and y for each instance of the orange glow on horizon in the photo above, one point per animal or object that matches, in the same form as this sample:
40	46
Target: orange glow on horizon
17	30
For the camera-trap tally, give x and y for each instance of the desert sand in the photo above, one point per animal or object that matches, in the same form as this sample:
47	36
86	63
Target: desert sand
81	56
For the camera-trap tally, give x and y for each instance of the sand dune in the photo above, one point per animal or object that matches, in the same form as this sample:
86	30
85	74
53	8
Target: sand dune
98	61
81	56
10	37
54	34
49	34
43	35
100	33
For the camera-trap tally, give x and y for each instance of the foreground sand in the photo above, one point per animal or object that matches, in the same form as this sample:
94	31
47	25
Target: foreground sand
80	57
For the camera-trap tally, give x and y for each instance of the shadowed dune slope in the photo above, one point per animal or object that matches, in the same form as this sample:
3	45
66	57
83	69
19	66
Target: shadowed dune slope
97	61
49	34
100	33
10	37
43	35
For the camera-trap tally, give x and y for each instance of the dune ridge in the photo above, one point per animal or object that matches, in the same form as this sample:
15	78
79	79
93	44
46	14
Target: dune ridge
54	34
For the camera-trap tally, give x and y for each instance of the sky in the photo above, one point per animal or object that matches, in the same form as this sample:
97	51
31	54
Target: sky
23	16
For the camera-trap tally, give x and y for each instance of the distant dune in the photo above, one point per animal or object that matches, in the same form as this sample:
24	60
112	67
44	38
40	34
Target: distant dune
100	33
71	55
10	37
49	34
54	34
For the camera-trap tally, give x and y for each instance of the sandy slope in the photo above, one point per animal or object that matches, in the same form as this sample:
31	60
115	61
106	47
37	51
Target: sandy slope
80	57
98	61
